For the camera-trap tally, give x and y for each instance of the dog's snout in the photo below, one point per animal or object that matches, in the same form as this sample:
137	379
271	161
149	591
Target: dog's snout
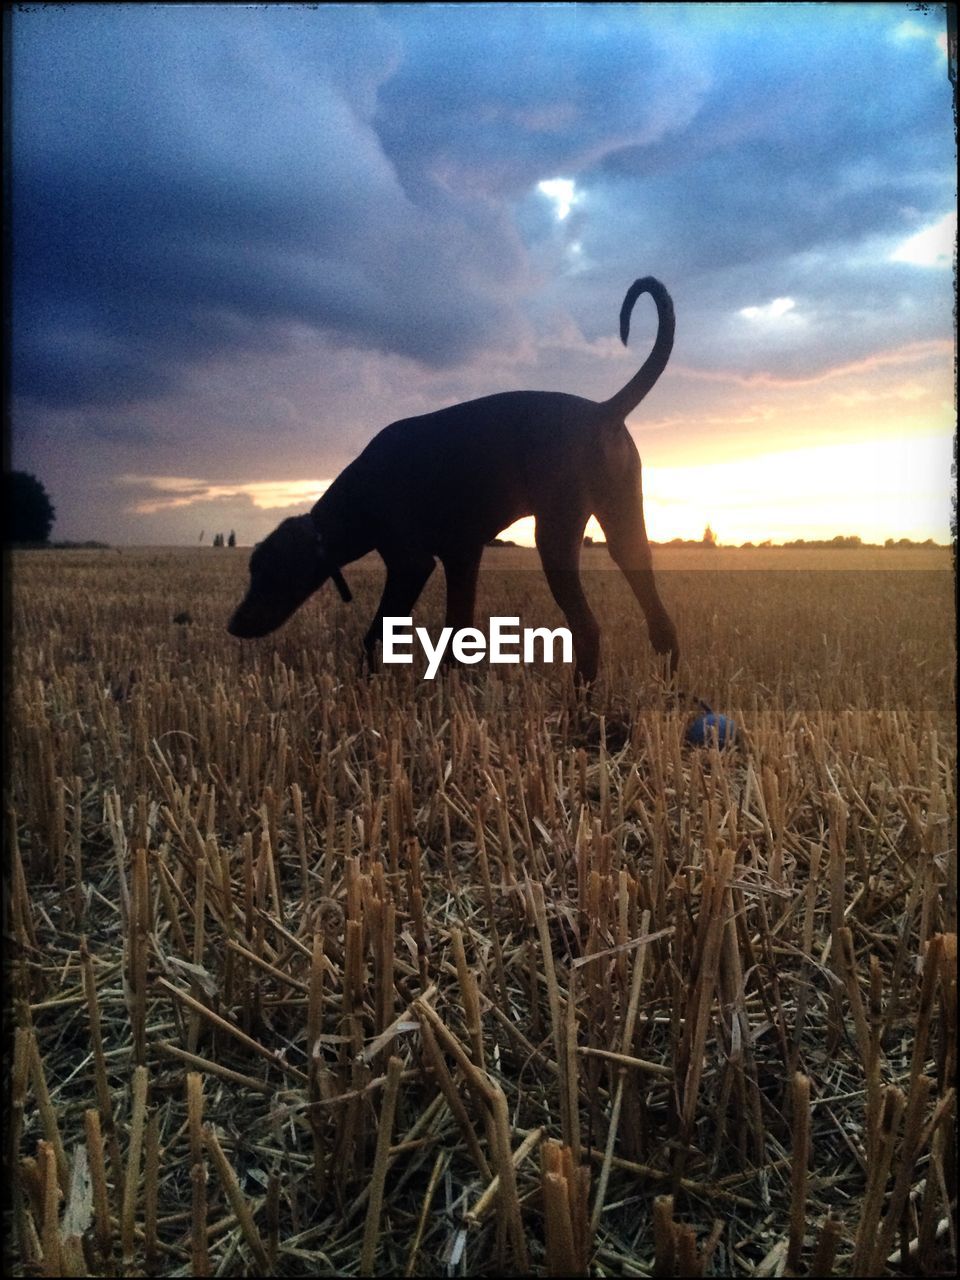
243	624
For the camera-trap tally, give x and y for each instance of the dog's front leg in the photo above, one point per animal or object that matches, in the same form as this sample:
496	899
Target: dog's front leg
406	578
461	570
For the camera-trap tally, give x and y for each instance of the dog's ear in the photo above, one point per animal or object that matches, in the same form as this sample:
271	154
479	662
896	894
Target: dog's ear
333	571
340	583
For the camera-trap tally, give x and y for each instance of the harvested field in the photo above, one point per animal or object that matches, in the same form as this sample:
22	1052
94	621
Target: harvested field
310	973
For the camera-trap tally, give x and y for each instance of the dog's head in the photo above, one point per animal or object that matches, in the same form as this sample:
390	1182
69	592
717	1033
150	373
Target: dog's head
285	569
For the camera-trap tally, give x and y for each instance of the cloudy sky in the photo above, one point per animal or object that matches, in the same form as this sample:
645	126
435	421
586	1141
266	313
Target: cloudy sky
246	238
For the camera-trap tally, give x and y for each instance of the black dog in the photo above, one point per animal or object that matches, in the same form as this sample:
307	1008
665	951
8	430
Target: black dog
445	483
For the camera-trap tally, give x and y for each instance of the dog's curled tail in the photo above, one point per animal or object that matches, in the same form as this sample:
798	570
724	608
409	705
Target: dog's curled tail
628	397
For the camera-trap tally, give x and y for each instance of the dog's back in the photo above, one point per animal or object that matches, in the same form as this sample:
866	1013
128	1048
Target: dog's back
478	465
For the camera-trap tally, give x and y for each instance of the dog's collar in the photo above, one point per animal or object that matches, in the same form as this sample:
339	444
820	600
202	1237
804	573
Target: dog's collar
332	571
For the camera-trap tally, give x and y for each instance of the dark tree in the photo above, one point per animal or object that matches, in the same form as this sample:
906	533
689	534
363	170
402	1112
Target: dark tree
29	513
232	540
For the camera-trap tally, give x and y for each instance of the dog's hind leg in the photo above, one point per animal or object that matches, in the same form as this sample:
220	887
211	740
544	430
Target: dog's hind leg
619	509
559	538
406	578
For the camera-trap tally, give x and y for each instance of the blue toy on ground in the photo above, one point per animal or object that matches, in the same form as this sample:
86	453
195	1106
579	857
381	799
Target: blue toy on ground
710	727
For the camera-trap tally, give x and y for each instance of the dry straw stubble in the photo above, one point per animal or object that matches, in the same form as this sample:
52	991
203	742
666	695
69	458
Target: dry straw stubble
322	973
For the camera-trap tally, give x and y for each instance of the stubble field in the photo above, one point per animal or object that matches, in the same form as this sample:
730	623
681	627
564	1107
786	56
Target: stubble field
310	973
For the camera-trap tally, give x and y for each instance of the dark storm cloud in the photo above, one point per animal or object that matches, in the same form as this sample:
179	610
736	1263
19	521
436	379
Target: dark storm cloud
191	182
491	101
186	184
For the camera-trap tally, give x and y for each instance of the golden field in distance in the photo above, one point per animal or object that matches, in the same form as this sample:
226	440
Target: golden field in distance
314	973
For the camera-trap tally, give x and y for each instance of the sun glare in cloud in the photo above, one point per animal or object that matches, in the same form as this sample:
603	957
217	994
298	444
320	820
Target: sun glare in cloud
932	246
771	311
563	192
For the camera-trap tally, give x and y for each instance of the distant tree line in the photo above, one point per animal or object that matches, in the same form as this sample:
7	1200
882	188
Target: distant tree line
842	542
906	544
709	539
